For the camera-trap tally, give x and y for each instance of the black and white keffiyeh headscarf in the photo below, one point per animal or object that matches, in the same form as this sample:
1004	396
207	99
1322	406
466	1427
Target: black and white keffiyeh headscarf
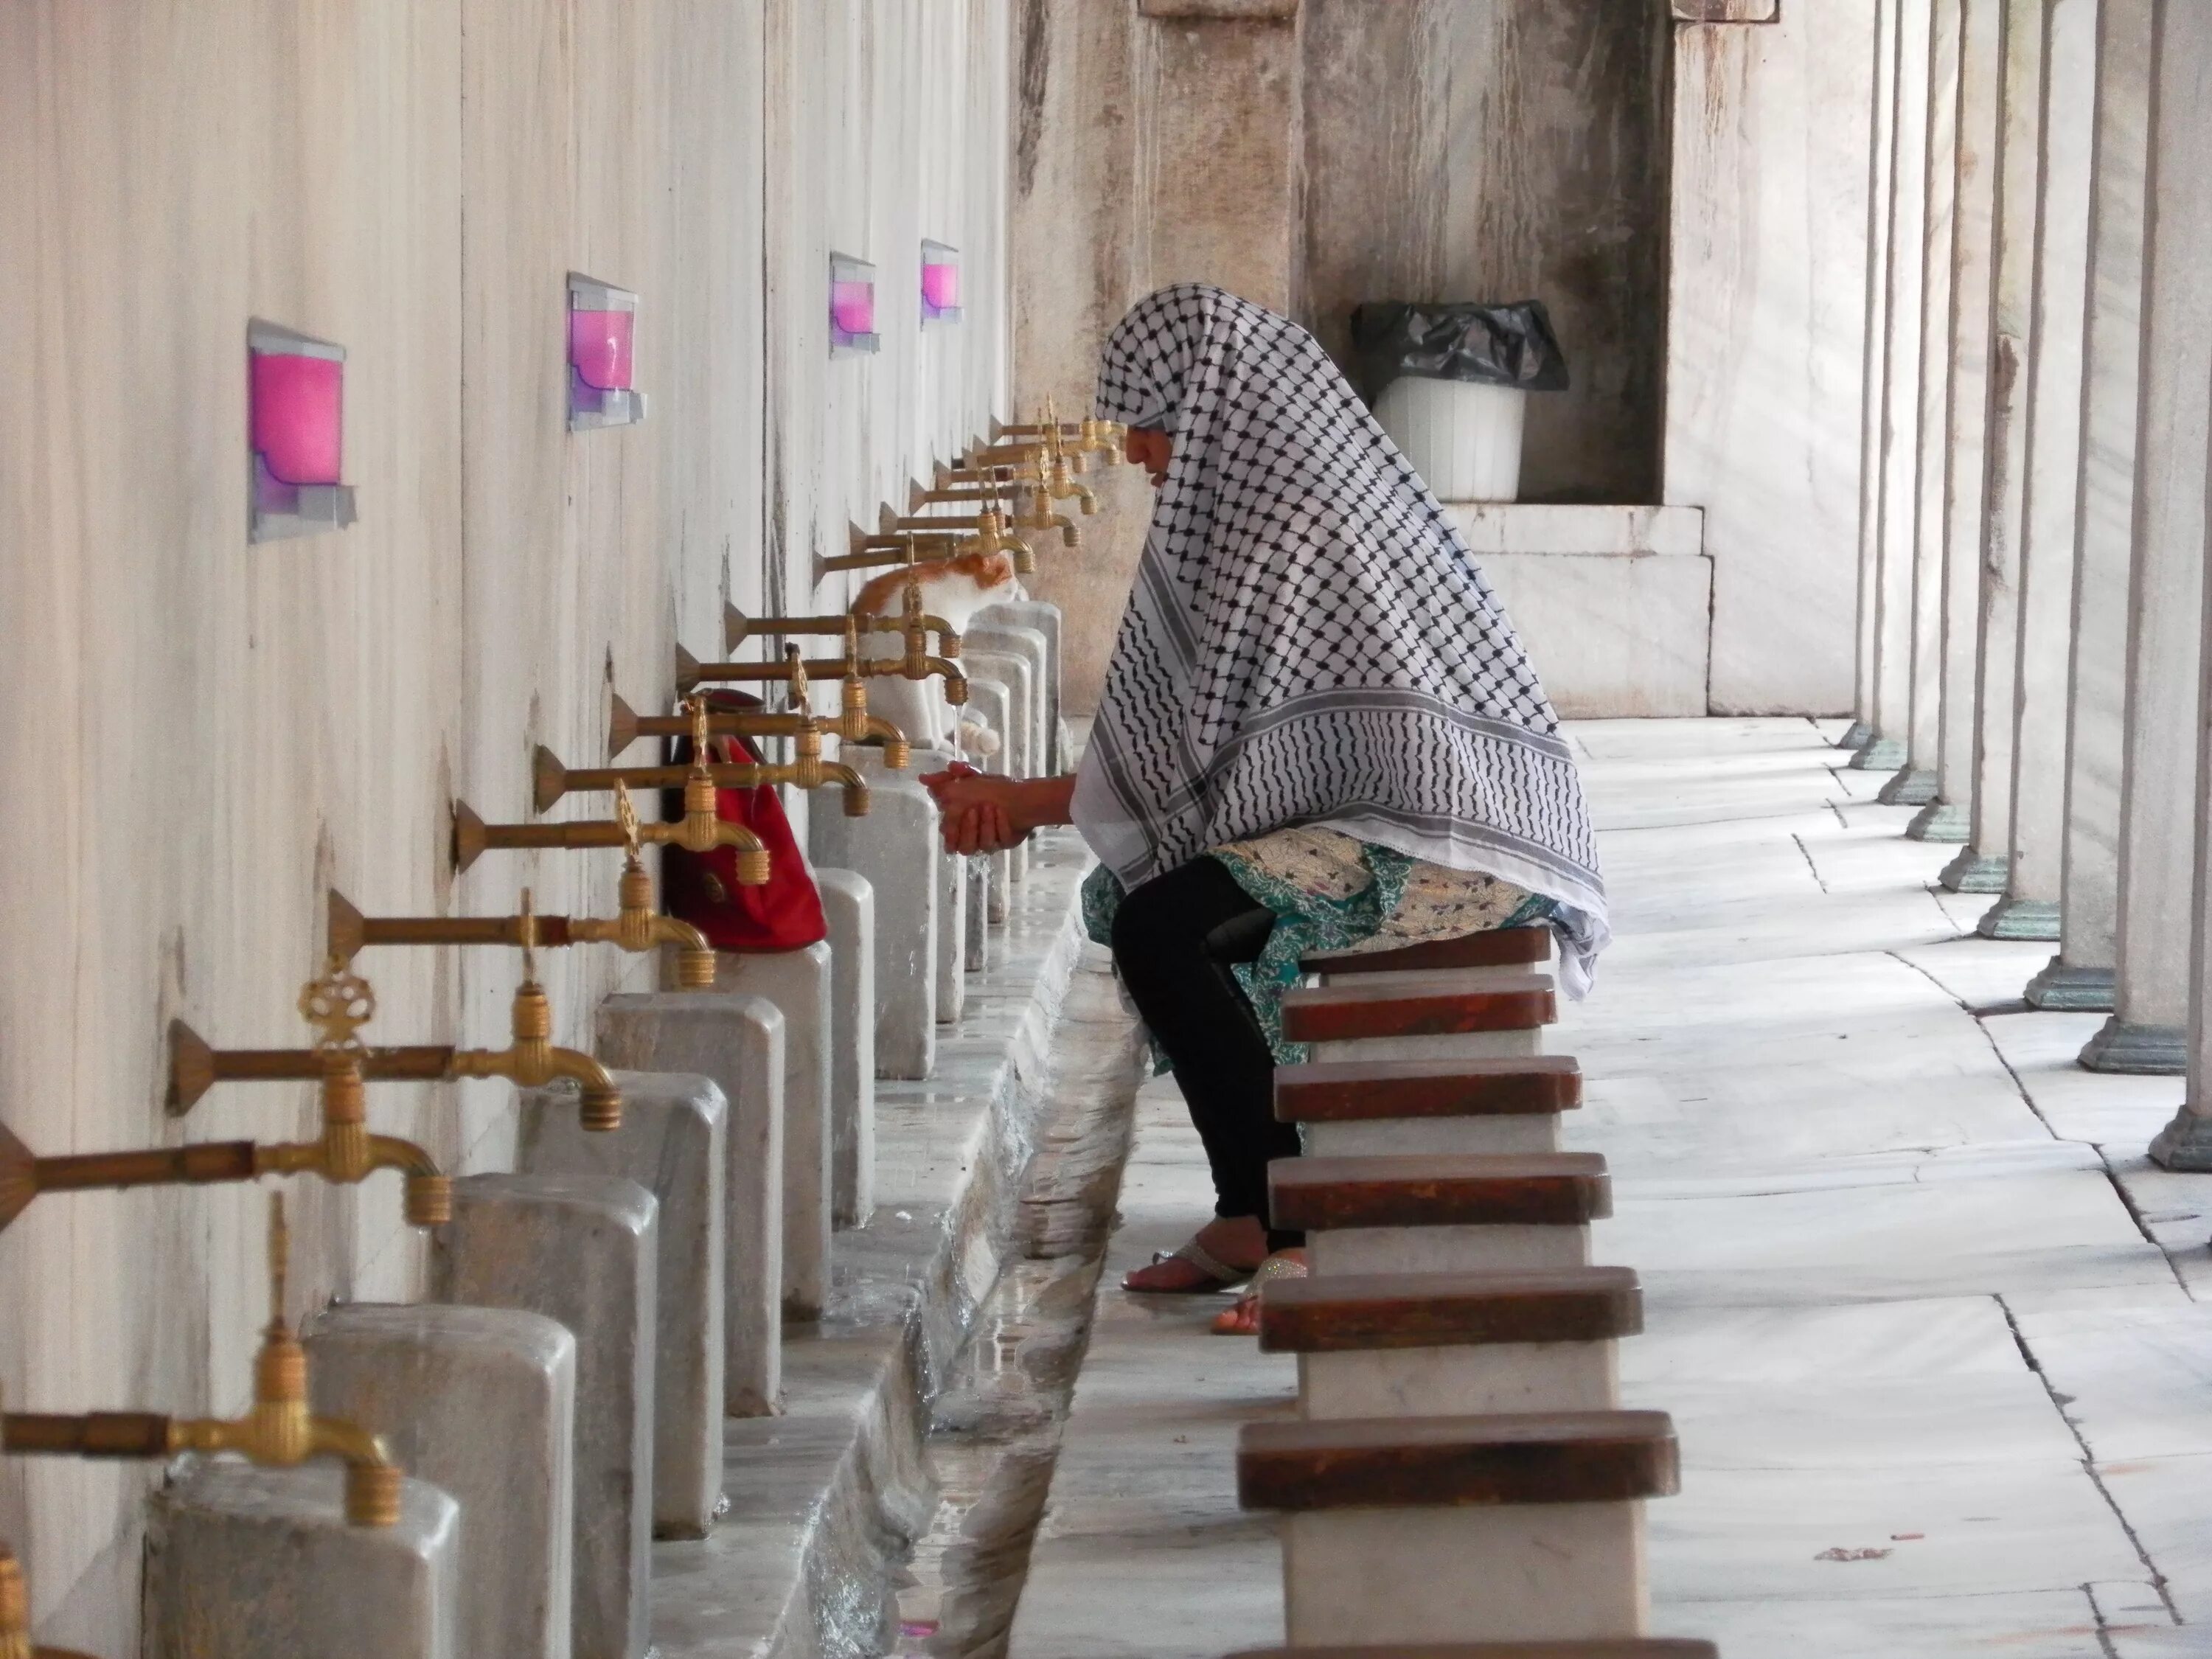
1309	640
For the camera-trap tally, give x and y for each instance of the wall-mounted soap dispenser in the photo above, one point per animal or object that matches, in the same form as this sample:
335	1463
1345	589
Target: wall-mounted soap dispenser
295	403
940	282
602	364
851	306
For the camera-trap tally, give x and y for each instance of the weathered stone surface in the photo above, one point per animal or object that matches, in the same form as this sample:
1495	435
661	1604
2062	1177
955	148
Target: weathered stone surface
260	1564
481	1403
990	696
895	848
1042	617
674	1142
1000	634
1455	1381
580	1249
1612	634
797	982
737	1041
1000	684
849	903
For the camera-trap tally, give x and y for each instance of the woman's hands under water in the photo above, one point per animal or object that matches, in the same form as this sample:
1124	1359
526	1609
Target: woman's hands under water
986	814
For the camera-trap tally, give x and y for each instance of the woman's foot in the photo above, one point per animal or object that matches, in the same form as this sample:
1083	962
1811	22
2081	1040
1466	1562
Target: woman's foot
1243	1319
1223	1252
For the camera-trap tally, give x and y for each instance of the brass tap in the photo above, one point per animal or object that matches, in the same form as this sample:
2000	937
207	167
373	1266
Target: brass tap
15	1615
637	928
278	1433
338	1004
738	627
1037	517
805	770
343	1155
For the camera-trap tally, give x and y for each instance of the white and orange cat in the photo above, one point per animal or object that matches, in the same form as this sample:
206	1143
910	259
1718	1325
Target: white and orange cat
953	589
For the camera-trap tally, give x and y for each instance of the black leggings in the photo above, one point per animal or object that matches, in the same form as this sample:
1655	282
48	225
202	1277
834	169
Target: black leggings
1174	939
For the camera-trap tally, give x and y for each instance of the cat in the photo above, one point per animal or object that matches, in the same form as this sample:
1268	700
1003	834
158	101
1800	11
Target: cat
953	590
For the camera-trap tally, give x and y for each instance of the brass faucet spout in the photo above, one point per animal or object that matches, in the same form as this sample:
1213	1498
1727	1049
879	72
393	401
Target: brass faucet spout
855	787
898	754
15	1615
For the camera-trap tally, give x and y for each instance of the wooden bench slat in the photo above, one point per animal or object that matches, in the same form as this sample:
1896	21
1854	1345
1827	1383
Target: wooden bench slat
1327	1014
1361	1312
1392	1462
1498	947
1356	1090
1544	1189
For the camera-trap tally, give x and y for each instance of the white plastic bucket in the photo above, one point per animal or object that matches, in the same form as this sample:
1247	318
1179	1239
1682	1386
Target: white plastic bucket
1463	437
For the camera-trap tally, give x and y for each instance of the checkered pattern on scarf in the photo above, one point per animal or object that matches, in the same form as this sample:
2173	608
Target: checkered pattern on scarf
1309	640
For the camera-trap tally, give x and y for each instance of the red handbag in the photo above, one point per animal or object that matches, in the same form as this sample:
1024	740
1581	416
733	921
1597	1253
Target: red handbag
701	888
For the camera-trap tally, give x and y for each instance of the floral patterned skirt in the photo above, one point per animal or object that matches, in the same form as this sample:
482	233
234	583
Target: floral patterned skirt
1332	892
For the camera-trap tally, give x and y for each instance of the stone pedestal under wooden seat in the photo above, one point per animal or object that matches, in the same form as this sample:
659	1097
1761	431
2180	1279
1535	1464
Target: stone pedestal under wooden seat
1441	1214
1511	1528
1471	961
1447	1345
1422	1017
1348	1108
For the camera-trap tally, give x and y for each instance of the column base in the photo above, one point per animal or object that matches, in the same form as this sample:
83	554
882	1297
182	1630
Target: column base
1940	821
2064	988
1880	755
1855	735
2137	1050
1977	872
2020	919
2185	1144
1913	787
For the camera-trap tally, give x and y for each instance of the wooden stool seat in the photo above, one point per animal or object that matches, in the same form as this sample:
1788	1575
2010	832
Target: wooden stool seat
1331	1014
1360	1312
1498	947
1635	1648
1553	1189
1428	1463
1352	1090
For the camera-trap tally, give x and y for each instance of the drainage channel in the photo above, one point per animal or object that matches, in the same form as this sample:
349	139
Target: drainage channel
995	1426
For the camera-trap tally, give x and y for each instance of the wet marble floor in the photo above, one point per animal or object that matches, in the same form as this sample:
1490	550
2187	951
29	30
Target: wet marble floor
1925	1317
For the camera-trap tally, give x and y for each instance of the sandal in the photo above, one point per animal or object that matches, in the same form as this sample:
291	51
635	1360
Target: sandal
1218	1274
1244	1318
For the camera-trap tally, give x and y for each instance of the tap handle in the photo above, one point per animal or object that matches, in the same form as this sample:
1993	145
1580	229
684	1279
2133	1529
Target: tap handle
700	723
796	697
626	816
528	932
338	1005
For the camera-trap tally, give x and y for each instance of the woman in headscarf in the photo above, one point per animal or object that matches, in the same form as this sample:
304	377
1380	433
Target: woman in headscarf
1318	731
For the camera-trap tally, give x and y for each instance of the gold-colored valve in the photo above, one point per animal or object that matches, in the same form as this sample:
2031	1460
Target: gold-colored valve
702	826
531	1061
279	1432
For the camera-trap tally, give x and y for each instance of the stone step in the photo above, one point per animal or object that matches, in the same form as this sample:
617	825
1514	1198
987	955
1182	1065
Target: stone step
1354	1107
1512	1528
1448	1344
1451	1213
1422	1017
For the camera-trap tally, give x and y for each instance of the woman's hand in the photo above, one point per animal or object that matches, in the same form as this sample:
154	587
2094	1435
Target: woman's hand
978	811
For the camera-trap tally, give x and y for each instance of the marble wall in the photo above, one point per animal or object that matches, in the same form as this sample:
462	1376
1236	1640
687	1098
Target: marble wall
205	734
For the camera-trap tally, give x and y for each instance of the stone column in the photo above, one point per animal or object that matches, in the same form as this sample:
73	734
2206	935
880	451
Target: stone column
1861	731
849	904
897	848
1981	76
261	1563
1915	782
2051	493
798	983
2147	1032
1981	864
429	1379
1898	455
2081	975
581	1250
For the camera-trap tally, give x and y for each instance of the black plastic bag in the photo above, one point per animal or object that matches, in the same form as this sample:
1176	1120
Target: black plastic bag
1495	345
